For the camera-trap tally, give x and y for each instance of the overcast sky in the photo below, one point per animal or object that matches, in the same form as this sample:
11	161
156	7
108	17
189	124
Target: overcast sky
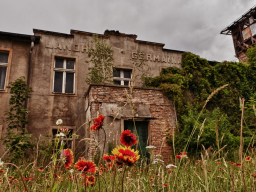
187	25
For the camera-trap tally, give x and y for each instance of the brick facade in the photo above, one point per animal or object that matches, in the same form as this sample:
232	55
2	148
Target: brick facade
149	104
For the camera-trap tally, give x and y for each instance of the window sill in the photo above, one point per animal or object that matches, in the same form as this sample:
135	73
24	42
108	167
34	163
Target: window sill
65	94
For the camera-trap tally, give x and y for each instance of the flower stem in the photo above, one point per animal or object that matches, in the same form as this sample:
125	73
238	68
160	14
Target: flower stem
122	189
114	177
19	173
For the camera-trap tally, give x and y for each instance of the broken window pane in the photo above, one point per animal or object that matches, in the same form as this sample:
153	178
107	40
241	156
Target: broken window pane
4	57
70	64
69	83
59	63
2	77
58	78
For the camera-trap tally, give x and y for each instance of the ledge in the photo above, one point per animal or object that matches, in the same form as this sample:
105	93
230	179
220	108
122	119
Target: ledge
118	86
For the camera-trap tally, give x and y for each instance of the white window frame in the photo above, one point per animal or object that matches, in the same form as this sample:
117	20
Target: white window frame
64	71
121	78
7	65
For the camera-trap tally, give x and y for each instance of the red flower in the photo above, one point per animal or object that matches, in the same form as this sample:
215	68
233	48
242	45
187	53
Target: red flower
238	164
127	138
165	185
1	171
98	122
109	158
118	164
183	153
40	169
85	166
218	163
178	156
68	154
253	175
248	158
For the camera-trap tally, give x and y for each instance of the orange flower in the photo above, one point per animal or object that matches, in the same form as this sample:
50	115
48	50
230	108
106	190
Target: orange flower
253	175
109	158
40	169
69	158
127	138
98	122
90	179
126	155
85	166
218	163
248	158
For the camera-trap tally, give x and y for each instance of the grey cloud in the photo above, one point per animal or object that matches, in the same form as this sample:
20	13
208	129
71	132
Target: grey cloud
189	25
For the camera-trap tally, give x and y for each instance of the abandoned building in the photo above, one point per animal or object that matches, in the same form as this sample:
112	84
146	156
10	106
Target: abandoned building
55	67
243	31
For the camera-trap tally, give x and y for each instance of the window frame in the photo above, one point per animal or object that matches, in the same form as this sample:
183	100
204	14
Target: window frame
53	69
8	65
121	78
72	147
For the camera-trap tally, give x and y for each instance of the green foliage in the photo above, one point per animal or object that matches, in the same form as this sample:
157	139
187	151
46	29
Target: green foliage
17	140
16	116
101	56
190	86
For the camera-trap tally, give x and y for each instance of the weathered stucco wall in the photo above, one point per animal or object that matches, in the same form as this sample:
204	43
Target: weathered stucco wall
45	106
149	105
19	55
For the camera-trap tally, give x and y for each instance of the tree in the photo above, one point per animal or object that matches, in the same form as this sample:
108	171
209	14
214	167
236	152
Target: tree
101	55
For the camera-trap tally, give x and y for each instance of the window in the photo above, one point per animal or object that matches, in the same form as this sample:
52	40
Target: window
64	140
122	76
4	57
64	76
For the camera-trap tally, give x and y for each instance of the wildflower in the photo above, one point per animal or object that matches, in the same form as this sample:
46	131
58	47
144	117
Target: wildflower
69	158
141	170
169	171
1	171
118	164
109	164
126	155
248	158
150	147
59	122
40	169
1	163
151	179
178	156
157	161
90	179
60	135
135	171
65	131
71	171
109	158
253	175
218	163
1	181
170	165
85	166
238	164
165	185
98	122
127	138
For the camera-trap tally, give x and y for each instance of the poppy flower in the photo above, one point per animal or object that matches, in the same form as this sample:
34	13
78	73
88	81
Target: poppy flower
40	169
69	158
109	158
127	138
126	155
98	122
248	158
85	166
